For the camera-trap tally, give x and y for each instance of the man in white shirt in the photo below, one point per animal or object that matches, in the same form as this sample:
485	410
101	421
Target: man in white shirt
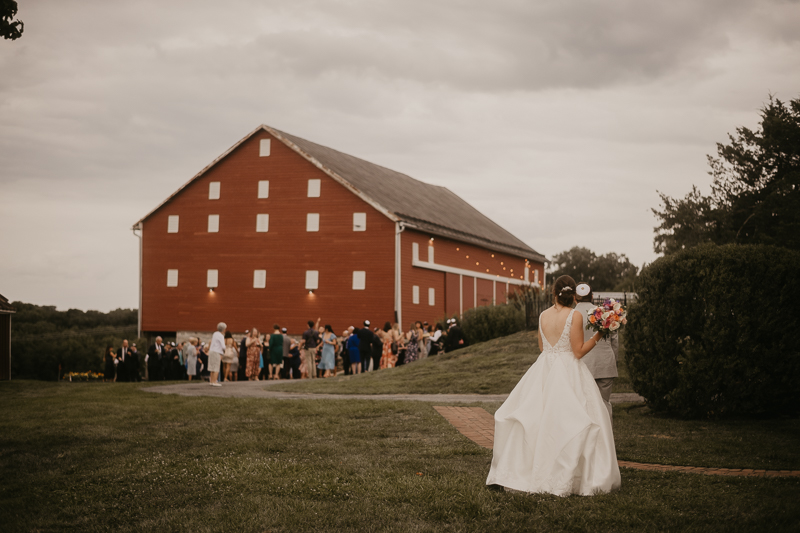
602	359
215	352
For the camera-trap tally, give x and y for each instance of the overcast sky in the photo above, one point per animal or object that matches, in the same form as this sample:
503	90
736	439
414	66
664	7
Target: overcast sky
558	119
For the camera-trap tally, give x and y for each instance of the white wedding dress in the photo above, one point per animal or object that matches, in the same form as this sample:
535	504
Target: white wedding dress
553	433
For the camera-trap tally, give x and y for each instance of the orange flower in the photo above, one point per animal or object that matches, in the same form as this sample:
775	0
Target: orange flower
592	319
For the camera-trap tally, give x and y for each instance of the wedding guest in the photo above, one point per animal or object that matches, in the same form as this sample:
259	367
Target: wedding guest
229	356
190	356
293	359
365	337
345	353
133	364
215	352
309	344
154	356
123	358
455	337
328	360
109	358
202	357
412	344
243	356
422	351
377	349
275	352
353	351
253	344
436	340
386	353
602	360
178	363
318	352
287	343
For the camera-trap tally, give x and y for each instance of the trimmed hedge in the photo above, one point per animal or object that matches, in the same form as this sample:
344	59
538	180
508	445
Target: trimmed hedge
715	332
484	323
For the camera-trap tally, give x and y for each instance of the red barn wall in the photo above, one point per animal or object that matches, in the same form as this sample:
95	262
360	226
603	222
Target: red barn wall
448	252
286	251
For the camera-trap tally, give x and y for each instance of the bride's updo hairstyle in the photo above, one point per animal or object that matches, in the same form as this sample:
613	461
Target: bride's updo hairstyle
564	291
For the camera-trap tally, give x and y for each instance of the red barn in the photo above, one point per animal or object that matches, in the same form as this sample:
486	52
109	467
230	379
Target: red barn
282	230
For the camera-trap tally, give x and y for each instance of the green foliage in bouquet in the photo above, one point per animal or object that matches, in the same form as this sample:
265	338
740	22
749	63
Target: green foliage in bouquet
485	323
715	332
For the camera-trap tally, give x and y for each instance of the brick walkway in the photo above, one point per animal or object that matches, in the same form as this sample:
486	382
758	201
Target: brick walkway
477	424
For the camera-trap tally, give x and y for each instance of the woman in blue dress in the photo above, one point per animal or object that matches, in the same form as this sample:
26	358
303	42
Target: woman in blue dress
328	360
353	352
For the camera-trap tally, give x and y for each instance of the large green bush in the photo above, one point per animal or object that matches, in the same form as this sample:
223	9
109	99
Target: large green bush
715	332
485	323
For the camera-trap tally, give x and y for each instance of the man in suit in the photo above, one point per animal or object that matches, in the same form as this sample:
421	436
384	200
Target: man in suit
365	336
455	337
154	356
287	344
123	367
602	360
133	364
243	357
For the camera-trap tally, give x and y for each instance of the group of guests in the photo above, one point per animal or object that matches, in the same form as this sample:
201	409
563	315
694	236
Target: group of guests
122	364
318	353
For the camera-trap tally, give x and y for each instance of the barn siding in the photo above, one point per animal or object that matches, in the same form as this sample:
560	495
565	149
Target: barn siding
455	254
286	251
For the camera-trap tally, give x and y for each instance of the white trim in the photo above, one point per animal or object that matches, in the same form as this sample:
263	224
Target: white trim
415	294
172	277
262	223
359	222
259	279
494	292
263	188
312	222
314	187
312	280
212	278
431	296
213	190
264	148
465	272
359	280
173	223
213	224
475	292
398	300
414	252
430	254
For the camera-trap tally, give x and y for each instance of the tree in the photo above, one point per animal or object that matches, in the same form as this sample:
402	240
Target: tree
9	28
609	272
755	193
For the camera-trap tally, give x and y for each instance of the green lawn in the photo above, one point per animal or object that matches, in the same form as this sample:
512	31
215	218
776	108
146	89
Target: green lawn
492	367
98	457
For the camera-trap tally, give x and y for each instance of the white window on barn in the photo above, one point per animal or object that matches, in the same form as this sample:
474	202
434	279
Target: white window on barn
262	223
212	279
312	222
430	254
172	223
263	148
213	190
259	279
359	280
263	189
213	223
415	294
359	222
313	188
172	278
415	251
312	280
431	296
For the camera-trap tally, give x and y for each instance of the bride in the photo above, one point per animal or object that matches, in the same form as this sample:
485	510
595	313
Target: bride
553	433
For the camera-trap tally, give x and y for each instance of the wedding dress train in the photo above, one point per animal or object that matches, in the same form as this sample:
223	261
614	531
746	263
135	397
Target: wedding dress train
553	434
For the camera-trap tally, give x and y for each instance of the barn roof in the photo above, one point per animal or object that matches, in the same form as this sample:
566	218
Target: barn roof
5	307
430	208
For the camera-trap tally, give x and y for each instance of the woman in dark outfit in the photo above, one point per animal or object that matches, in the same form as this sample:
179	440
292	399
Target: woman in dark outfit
108	358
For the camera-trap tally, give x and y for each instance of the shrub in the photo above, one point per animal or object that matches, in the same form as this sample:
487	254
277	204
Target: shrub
714	332
490	322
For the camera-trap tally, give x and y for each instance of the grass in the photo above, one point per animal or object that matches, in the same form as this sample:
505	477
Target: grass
98	457
492	367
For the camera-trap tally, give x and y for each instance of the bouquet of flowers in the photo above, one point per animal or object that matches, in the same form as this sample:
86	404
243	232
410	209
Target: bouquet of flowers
606	318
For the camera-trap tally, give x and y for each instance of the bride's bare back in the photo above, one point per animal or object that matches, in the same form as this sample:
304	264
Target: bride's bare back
552	322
